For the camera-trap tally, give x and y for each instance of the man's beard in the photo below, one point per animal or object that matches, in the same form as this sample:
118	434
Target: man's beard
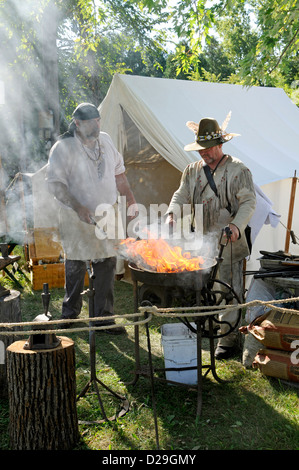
92	134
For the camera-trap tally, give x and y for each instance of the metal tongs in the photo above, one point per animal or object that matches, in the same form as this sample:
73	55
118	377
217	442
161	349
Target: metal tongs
94	222
226	234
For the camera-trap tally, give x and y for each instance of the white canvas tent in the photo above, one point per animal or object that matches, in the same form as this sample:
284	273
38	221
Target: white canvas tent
157	110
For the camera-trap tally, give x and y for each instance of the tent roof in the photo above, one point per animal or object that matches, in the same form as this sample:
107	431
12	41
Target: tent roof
266	118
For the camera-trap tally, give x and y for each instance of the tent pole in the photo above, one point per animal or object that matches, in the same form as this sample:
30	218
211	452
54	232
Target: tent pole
291	210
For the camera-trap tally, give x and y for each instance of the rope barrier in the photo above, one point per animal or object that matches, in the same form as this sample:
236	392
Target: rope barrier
215	309
70	330
151	310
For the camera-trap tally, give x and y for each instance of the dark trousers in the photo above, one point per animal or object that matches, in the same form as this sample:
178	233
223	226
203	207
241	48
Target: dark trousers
103	284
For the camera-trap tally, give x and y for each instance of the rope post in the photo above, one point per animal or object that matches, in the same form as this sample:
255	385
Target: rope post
291	210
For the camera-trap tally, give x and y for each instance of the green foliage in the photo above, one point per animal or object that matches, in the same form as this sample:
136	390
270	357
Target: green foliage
237	41
259	39
275	42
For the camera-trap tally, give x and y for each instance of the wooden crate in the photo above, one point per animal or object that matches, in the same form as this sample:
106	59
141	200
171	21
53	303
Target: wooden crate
52	274
45	252
44	245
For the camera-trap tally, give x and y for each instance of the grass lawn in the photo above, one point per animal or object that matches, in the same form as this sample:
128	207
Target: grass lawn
247	412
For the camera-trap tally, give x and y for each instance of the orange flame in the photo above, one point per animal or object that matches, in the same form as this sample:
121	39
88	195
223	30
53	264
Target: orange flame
159	256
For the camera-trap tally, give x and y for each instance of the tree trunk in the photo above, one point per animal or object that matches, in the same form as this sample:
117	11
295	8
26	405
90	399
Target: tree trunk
42	397
10	312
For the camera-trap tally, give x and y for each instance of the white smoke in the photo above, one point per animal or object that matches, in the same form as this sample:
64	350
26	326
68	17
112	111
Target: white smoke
26	77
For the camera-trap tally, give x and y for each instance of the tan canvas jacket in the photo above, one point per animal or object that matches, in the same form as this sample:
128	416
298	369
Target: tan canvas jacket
235	189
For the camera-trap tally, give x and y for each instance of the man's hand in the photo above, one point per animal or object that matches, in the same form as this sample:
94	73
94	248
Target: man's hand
85	215
171	222
133	211
235	234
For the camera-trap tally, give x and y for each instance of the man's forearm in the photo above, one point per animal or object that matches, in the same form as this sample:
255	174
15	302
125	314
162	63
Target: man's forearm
124	189
60	191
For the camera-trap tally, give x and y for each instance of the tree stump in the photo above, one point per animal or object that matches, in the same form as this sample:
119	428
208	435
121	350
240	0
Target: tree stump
10	312
42	397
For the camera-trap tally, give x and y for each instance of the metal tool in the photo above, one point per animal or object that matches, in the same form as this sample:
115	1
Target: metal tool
94	380
43	340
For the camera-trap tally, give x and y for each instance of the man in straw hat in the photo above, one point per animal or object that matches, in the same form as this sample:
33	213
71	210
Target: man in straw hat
224	187
86	171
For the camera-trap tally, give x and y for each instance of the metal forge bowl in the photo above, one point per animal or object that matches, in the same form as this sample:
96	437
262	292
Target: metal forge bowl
196	279
188	288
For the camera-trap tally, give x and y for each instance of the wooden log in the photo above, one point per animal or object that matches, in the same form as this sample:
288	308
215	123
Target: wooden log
10	312
42	397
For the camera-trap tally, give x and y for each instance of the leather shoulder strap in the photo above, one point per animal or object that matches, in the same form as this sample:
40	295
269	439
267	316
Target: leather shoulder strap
210	178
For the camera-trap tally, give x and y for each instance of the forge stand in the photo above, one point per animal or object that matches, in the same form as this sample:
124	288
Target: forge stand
200	320
204	328
207	291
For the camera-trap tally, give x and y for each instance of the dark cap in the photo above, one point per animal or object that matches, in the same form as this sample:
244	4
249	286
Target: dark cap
85	111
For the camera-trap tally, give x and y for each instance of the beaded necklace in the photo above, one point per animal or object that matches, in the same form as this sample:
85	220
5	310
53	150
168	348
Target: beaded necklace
98	160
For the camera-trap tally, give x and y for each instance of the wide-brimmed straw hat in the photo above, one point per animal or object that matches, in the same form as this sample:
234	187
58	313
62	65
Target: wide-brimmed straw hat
208	133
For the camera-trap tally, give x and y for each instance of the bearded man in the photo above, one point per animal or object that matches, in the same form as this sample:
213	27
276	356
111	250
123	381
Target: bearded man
85	171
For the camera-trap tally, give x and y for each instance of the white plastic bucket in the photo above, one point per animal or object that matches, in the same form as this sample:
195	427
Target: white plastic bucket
179	347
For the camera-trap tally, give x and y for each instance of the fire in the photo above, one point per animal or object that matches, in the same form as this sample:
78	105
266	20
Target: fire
159	256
